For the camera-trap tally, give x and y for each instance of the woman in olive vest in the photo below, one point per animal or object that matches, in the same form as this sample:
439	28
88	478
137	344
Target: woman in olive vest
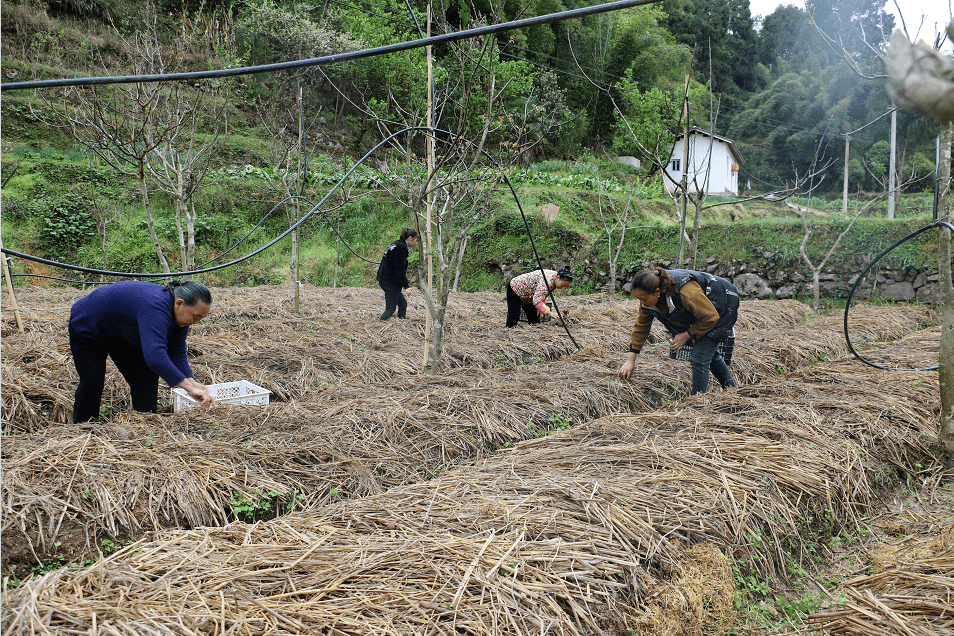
692	306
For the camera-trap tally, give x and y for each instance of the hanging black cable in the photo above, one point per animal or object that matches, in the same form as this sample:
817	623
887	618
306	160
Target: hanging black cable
65	280
316	209
332	59
862	276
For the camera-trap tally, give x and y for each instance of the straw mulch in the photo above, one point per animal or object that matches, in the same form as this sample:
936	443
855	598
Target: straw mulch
565	534
337	340
911	592
586	530
362	438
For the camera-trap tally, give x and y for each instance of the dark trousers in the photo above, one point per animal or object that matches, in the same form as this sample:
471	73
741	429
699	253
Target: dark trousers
514	305
394	299
89	357
705	357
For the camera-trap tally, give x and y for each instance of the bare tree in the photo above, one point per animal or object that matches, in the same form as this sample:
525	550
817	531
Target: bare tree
803	213
614	217
919	78
181	159
288	150
150	130
656	145
113	122
478	113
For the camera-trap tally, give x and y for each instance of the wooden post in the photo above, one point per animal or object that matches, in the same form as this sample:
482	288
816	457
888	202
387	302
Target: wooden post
685	172
428	236
13	298
303	174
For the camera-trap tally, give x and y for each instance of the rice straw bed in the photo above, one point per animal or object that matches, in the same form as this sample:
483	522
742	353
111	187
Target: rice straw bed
525	489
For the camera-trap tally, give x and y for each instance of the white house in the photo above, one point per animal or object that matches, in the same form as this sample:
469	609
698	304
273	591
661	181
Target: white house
713	164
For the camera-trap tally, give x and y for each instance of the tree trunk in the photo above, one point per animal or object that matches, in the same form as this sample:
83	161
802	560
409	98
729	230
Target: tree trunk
144	189
293	267
694	243
946	353
181	211
460	261
437	338
816	299
190	236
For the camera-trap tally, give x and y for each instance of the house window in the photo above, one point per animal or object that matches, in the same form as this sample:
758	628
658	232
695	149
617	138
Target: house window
675	165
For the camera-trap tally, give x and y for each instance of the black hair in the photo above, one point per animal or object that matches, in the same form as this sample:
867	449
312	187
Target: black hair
191	292
566	273
649	280
408	232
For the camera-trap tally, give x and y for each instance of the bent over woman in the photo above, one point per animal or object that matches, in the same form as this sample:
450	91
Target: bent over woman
529	292
392	273
143	328
692	306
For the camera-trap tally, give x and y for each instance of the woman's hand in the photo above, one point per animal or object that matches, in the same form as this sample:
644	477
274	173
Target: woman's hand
198	392
627	369
677	341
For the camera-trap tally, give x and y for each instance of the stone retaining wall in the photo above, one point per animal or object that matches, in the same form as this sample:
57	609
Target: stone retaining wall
765	280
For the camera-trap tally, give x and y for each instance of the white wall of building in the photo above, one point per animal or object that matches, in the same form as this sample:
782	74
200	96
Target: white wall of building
711	174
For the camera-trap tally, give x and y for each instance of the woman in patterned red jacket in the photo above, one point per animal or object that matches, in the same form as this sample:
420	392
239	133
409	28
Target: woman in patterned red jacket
529	292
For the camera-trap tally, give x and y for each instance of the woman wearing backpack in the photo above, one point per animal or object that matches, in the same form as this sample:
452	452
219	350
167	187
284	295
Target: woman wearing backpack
692	306
392	273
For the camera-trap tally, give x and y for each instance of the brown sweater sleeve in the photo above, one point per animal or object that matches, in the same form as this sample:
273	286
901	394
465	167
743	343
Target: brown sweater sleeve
644	321
695	300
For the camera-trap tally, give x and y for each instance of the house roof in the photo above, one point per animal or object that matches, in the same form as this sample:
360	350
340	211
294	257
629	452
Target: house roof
695	130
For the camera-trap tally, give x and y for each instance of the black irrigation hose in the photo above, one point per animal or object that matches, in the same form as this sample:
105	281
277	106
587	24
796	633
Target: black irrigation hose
269	213
332	59
862	276
286	199
313	210
65	280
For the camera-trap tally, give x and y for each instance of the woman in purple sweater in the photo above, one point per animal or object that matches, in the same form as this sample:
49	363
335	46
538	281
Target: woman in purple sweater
143	328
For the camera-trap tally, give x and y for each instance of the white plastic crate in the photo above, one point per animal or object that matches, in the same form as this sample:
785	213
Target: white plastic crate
241	392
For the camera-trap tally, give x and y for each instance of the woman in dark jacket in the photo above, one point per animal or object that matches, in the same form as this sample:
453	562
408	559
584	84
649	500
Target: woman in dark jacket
143	328
392	273
693	306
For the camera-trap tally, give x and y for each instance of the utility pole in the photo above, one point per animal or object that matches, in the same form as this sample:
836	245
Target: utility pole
891	163
844	192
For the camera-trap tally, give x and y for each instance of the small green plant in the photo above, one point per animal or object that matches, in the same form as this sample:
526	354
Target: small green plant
55	562
508	568
109	546
295	498
253	505
536	432
798	609
747	586
148	442
561	422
